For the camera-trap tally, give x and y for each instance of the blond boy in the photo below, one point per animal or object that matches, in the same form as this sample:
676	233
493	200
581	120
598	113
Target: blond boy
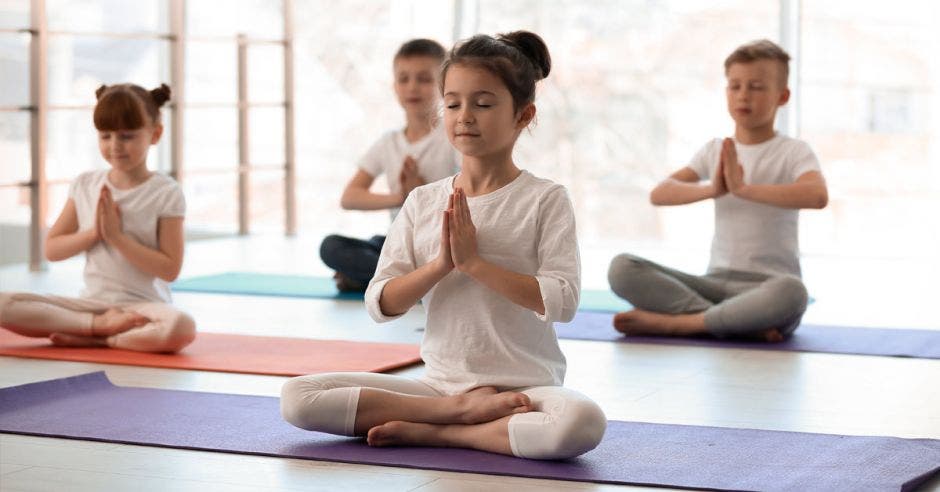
759	180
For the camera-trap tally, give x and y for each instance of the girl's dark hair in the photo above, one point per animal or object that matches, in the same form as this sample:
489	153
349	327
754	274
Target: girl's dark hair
128	106
519	59
421	47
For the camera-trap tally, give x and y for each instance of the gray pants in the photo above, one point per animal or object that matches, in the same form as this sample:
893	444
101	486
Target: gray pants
736	303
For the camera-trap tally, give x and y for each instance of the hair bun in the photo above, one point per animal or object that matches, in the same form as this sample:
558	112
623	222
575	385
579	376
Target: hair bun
100	91
533	47
160	95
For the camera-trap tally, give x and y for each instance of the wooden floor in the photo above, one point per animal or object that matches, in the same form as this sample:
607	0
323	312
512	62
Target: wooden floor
826	393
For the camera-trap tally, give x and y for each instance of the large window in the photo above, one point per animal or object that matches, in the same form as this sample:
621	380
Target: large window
871	109
211	137
636	88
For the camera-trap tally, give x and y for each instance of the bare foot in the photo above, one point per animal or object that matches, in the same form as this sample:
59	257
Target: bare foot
114	321
640	322
67	340
486	405
346	284
398	433
773	335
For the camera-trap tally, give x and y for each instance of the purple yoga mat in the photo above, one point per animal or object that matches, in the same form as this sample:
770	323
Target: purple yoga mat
894	342
90	407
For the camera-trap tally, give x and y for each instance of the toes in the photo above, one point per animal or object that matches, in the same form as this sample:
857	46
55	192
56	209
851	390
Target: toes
773	336
373	436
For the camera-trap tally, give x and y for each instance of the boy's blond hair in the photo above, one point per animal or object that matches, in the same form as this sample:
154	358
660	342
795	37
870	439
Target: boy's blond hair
762	49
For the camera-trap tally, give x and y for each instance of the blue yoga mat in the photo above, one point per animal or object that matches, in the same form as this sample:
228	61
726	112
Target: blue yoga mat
894	342
90	407
265	284
268	284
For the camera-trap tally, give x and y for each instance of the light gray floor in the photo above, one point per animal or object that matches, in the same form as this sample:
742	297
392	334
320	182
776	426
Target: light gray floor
684	385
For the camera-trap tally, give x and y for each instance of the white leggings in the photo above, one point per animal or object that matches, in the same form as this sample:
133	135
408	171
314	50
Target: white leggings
565	423
33	315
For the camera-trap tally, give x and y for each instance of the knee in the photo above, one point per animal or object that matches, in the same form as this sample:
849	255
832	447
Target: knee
329	247
291	396
297	394
5	299
791	294
581	430
621	272
578	430
181	333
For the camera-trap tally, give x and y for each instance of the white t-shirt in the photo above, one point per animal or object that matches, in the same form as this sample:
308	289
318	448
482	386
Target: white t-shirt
474	335
109	277
436	158
751	236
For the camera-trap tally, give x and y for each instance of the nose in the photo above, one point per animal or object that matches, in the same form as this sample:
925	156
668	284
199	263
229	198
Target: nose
465	116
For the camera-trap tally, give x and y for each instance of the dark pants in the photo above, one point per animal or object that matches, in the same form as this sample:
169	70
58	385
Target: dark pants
354	258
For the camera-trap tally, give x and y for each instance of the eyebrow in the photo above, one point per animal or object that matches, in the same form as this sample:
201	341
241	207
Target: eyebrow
477	93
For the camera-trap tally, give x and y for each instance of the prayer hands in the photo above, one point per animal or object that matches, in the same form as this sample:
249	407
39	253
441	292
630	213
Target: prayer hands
458	234
719	188
730	168
463	234
409	178
108	217
444	258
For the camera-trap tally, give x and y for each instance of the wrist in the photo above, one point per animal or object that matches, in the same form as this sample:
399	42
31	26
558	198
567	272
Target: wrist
92	236
117	239
441	266
472	266
742	191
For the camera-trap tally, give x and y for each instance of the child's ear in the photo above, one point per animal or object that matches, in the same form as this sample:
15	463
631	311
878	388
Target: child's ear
526	115
157	133
784	97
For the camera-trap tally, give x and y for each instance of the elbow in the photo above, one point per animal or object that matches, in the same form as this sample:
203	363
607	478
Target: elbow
171	274
345	202
169	277
656	197
50	253
820	200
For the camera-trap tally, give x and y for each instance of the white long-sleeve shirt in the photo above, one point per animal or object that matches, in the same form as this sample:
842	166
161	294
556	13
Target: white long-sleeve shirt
474	335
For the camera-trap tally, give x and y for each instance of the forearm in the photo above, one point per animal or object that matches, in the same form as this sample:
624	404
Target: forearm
149	260
400	293
358	199
68	245
675	192
794	195
519	288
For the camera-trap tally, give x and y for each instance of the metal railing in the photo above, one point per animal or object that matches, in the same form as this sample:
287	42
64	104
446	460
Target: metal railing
39	108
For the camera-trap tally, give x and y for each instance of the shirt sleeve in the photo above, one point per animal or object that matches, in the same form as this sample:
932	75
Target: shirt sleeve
802	160
75	186
372	161
174	205
559	272
704	161
396	259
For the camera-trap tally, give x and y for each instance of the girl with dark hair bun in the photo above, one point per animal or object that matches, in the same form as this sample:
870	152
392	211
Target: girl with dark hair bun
492	254
128	221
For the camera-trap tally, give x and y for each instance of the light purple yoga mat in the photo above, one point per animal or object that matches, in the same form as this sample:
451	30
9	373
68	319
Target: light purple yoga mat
893	342
90	407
